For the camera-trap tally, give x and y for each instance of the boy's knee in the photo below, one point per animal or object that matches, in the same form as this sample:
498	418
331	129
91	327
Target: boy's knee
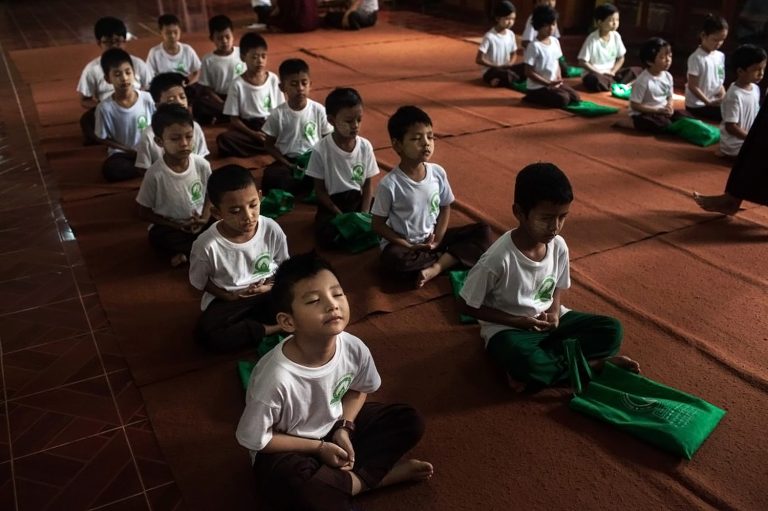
614	331
409	421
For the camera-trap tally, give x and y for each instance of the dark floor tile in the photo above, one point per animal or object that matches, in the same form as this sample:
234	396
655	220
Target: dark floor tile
31	261
83	279
43	237
96	315
166	498
44	324
5	451
153	469
135	503
129	400
51	365
25	218
89	473
36	290
111	353
7	497
61	415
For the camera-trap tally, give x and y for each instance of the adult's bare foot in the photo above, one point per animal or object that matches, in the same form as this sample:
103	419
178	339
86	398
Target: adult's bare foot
725	203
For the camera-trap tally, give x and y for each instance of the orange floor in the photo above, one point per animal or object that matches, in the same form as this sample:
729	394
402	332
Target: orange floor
108	404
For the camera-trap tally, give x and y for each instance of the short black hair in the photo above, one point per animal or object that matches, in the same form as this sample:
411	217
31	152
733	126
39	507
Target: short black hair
166	20
109	26
291	272
228	178
542	16
292	67
603	11
112	58
250	41
164	81
747	55
503	9
218	23
539	182
171	113
404	118
341	97
651	48
714	23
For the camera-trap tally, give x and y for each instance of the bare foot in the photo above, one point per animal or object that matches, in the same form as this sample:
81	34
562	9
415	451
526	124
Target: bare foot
408	470
517	387
626	124
725	203
620	361
495	82
428	274
178	260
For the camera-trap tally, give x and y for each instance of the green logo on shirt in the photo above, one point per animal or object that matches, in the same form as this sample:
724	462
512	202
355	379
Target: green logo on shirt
142	123
196	191
358	174
721	72
239	68
268	103
341	388
262	263
310	130
434	203
665	89
545	291
180	68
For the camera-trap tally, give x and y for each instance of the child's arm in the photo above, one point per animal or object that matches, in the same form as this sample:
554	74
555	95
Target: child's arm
88	102
481	60
193	77
737	131
328	452
667	109
239	125
693	86
323	198
491	315
380	227
150	216
353	6
617	65
116	145
269	143
440	226
367	191
351	404
231	296
536	77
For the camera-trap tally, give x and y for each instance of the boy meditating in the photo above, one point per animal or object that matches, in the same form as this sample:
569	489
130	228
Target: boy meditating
122	117
497	50
292	129
233	262
313	439
412	208
342	165
515	290
166	89
251	98
173	56
172	195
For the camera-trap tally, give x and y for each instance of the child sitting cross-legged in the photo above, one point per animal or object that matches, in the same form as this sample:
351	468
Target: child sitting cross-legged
516	287
412	208
167	88
172	195
497	50
704	90
342	165
233	262
314	440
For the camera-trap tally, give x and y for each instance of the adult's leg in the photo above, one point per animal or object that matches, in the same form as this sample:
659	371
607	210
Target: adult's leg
120	167
231	326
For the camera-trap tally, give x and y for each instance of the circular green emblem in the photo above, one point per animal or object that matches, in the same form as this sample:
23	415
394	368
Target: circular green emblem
142	123
239	68
267	103
341	388
180	68
310	130
196	191
545	291
262	263
358	174
434	203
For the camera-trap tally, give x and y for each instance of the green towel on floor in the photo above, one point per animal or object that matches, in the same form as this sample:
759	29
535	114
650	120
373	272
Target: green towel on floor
457	278
695	131
276	203
621	90
590	109
300	165
521	86
245	367
570	71
355	232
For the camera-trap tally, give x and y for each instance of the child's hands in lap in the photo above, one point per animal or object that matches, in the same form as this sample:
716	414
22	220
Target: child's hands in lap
341	438
256	288
334	456
427	244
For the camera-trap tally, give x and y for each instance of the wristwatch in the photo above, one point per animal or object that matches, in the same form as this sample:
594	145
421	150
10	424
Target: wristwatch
344	424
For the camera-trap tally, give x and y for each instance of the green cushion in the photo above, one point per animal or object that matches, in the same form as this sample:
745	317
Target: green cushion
276	203
457	278
521	86
695	131
590	109
621	90
245	367
355	232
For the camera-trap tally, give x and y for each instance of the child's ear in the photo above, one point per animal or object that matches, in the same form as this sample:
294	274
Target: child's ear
282	86
159	141
215	212
518	213
331	120
396	145
285	321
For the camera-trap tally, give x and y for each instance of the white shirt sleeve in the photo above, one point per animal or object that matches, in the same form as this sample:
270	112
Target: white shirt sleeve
382	203
254	431
478	284
232	103
200	267
272	125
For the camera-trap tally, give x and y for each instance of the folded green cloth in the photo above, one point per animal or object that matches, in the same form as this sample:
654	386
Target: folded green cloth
355	232
311	197
245	367
300	165
521	86
457	278
276	203
621	90
573	71
695	131
590	109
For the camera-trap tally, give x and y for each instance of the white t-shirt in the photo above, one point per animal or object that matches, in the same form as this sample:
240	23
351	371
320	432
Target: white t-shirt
545	60
235	266
184	62
506	280
739	106
601	54
498	47
412	207
249	101
710	68
368	6
652	91
218	72
93	85
529	34
148	152
124	125
296	132
341	170
173	195
285	397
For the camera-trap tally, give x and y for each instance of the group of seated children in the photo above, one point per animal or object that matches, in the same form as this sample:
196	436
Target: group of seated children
602	55
314	441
